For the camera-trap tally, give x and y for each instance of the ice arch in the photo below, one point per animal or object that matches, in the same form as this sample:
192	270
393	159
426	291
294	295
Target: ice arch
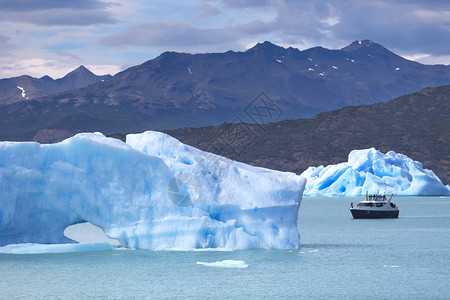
134	198
46	188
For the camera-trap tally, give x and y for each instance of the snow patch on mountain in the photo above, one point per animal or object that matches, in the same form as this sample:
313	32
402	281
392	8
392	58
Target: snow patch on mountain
24	95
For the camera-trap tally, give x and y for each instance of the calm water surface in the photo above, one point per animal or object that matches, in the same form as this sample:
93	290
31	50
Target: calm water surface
340	258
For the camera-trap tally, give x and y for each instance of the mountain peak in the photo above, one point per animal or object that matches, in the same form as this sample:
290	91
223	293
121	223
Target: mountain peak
367	48
46	77
356	45
81	70
266	48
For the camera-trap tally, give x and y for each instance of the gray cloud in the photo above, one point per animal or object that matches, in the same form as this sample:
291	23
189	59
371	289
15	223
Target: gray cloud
246	3
171	35
39	5
253	28
5	45
207	11
60	17
56	13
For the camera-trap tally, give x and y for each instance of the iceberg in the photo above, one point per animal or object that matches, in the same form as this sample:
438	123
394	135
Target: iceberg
152	193
372	171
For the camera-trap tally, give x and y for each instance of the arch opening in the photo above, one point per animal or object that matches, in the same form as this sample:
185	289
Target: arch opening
86	232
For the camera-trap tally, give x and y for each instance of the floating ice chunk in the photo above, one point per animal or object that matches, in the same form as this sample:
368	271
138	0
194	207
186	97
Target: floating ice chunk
279	60
239	264
309	59
322	74
372	171
310	69
396	69
352	61
32	248
334	67
189	70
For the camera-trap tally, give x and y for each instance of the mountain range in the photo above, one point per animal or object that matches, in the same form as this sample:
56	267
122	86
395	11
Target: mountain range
25	87
266	83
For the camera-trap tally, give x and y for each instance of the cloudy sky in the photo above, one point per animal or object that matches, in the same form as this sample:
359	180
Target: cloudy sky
39	37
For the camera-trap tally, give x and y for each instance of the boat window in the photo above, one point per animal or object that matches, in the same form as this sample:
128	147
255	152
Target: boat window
365	204
380	204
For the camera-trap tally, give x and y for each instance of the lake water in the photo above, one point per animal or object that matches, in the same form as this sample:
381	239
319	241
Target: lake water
339	258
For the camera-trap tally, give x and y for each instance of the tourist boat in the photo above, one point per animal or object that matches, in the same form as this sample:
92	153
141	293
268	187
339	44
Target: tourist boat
375	207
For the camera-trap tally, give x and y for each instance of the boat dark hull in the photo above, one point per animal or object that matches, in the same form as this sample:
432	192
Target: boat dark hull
374	214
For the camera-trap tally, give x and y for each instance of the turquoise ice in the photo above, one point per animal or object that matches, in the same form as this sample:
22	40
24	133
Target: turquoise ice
177	198
372	171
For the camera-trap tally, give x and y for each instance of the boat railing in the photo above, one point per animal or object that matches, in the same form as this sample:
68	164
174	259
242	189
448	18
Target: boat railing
378	197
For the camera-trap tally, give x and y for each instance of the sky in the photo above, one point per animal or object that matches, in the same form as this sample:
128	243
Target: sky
53	37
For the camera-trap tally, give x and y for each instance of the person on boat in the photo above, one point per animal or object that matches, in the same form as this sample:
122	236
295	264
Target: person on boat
351	204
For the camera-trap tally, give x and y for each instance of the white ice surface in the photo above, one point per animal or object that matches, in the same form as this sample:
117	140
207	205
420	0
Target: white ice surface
239	264
87	178
236	205
183	199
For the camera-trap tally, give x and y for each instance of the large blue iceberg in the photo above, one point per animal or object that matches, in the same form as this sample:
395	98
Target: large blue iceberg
152	193
372	171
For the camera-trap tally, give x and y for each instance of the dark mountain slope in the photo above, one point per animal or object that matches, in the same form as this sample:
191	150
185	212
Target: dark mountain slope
416	125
